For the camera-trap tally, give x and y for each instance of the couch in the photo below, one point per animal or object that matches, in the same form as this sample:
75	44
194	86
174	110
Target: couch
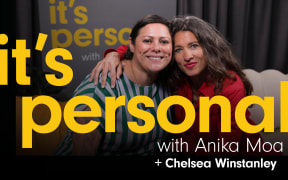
266	83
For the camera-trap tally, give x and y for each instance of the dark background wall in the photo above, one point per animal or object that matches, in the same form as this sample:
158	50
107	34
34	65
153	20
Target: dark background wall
256	29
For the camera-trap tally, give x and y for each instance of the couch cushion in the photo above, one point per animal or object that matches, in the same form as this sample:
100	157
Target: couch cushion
266	83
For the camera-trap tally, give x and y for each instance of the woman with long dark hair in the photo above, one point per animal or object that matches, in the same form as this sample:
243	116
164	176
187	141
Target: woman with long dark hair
203	65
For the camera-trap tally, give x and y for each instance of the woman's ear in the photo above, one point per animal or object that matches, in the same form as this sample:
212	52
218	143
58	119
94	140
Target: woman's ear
131	46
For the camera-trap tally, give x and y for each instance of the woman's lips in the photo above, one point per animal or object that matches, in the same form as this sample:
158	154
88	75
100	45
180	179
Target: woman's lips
190	65
155	58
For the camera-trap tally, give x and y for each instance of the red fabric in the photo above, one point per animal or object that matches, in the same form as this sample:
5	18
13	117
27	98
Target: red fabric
234	91
121	51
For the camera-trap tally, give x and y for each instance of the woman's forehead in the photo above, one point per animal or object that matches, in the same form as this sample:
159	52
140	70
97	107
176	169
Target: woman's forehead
155	30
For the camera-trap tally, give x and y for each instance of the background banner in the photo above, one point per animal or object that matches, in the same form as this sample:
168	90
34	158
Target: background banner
87	28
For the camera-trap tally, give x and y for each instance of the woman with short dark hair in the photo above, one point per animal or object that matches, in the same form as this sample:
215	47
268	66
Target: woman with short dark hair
150	52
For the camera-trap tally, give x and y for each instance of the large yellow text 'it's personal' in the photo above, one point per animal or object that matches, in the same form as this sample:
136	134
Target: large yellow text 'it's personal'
112	103
21	53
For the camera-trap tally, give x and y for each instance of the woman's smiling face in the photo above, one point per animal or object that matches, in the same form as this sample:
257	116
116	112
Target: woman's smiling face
153	47
188	53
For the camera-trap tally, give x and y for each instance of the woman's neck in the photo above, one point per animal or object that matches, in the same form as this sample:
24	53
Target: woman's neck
197	81
137	75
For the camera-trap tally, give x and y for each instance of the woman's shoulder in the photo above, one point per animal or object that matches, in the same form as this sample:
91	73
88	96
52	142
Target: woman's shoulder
233	80
233	84
88	87
84	85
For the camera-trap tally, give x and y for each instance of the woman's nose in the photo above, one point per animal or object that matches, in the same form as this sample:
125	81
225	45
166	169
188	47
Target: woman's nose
156	47
188	55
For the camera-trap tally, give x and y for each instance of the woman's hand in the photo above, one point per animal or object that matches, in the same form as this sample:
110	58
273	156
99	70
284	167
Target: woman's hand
111	63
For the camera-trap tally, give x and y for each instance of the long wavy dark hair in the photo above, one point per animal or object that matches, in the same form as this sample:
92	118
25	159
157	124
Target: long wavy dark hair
217	51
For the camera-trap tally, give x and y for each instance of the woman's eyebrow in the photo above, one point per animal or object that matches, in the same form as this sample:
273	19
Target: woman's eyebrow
149	36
